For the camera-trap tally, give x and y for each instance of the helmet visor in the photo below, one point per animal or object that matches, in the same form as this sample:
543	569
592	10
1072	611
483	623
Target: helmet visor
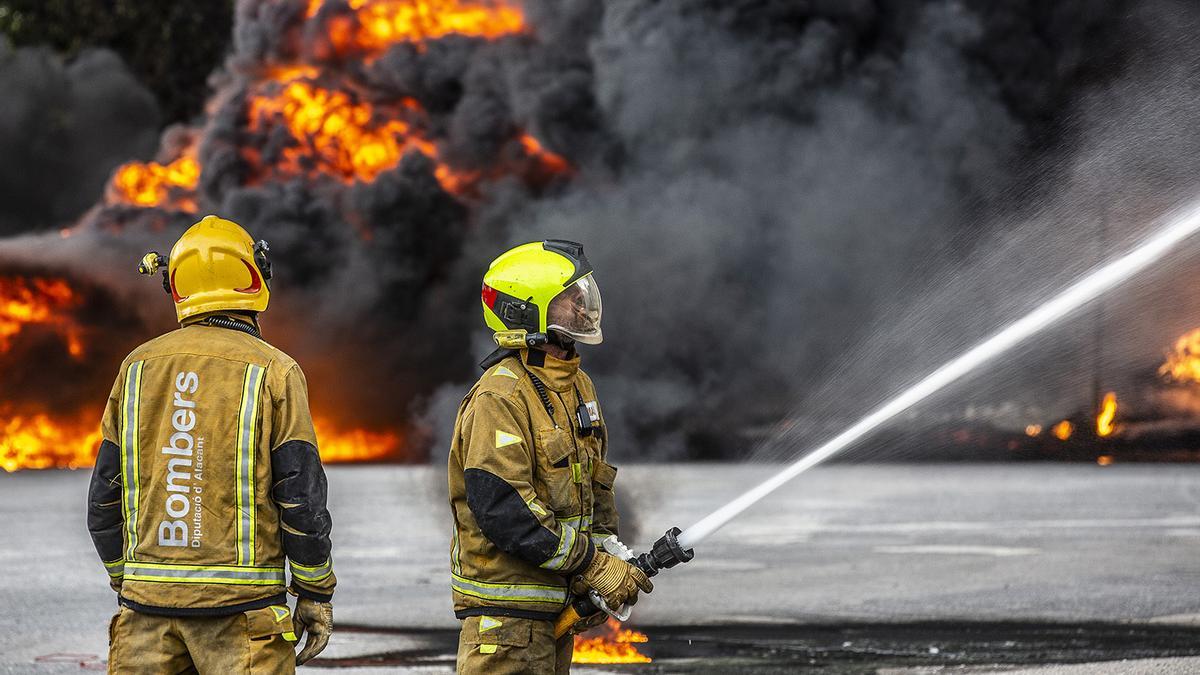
576	312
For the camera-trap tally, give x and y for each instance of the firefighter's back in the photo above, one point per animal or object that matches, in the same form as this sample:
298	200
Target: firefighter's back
208	479
194	426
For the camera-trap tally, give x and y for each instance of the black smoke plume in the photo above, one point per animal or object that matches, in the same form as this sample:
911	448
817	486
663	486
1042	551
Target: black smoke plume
763	187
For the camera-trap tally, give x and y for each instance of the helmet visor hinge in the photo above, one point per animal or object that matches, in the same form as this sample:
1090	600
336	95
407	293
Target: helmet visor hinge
261	248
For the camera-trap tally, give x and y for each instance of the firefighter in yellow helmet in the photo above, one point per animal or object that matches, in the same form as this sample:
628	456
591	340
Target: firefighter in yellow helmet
531	490
208	479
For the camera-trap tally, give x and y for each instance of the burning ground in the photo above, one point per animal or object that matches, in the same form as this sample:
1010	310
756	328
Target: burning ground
764	188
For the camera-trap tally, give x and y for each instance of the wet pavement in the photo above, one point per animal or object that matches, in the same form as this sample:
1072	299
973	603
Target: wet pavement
899	569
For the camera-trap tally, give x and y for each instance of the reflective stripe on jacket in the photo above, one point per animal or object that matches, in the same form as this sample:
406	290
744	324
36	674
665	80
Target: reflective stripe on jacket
528	492
208	485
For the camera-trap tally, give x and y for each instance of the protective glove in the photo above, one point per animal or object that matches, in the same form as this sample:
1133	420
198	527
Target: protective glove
115	583
316	618
615	580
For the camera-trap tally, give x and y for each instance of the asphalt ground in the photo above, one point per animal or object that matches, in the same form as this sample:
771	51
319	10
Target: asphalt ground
897	569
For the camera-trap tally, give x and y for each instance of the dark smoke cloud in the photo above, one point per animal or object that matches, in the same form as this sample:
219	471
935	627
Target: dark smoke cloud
778	197
790	173
64	127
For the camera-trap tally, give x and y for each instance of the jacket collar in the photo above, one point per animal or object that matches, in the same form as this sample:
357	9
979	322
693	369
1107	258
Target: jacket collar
557	374
226	320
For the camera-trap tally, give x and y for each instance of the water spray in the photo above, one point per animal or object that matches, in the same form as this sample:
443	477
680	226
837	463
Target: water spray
676	547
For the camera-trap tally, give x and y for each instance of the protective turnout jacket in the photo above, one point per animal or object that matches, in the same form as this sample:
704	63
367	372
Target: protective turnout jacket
208	477
531	495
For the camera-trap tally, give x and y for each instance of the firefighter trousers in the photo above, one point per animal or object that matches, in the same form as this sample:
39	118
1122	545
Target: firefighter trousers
504	645
255	641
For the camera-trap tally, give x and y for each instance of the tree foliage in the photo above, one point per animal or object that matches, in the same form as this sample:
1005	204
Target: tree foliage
171	46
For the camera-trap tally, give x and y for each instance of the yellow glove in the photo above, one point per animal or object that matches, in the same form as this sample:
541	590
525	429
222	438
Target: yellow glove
317	619
115	583
615	580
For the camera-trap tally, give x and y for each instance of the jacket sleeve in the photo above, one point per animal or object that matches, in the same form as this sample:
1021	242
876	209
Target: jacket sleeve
604	497
105	519
498	471
299	488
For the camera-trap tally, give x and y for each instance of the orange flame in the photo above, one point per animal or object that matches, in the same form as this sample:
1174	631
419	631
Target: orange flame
39	442
1033	430
383	23
612	644
171	185
334	132
1063	430
38	301
1183	362
339	445
345	137
42	441
1108	412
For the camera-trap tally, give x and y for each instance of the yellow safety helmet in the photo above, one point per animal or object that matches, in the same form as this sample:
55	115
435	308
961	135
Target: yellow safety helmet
214	266
540	287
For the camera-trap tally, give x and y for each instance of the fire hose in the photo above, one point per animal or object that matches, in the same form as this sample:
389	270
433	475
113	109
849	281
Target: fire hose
676	547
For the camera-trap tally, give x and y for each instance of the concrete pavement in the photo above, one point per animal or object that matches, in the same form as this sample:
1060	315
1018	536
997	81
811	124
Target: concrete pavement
872	545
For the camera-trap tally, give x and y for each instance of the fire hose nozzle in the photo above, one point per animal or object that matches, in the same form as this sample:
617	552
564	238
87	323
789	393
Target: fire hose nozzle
663	555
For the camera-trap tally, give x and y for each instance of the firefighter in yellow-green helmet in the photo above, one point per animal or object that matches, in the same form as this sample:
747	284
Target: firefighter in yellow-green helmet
208	489
531	489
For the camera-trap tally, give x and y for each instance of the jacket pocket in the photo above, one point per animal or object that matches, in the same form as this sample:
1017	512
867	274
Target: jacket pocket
556	473
269	637
262	624
485	631
605	475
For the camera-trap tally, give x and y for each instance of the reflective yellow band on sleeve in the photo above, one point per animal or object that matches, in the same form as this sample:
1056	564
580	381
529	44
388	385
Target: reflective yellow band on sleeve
247	435
130	461
115	568
566	542
487	649
311	574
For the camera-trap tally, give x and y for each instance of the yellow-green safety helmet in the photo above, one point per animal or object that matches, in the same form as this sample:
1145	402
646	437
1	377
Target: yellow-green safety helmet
541	287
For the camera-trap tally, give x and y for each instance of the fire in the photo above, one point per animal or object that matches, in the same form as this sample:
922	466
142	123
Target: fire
27	301
311	115
335	134
170	185
612	644
383	23
1063	430
1183	363
38	441
1033	430
1108	411
1104	460
42	441
354	445
331	127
